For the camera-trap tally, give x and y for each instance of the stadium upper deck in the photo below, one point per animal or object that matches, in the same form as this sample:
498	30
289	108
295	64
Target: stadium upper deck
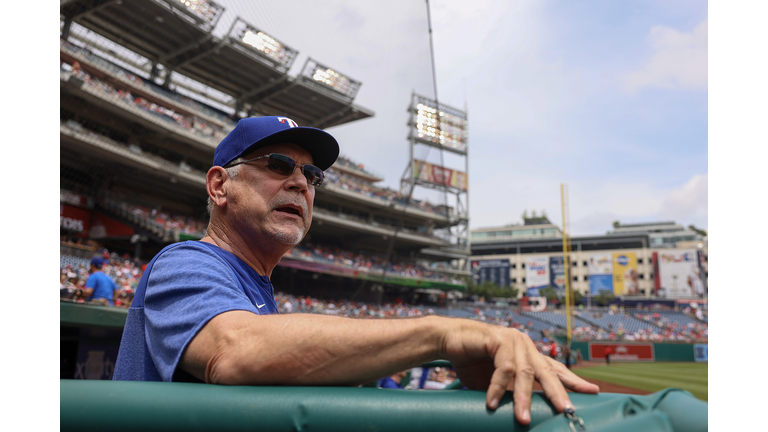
128	142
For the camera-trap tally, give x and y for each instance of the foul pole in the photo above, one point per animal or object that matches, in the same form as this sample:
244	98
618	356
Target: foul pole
566	263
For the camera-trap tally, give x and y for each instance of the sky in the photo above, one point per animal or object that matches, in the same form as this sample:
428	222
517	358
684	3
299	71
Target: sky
609	98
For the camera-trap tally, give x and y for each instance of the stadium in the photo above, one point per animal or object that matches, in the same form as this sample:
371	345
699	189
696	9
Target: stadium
143	107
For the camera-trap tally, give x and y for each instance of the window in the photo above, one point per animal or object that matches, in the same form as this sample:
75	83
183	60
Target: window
522	280
642	291
514	265
585	263
586	277
514	280
575	278
522	266
575	263
641	276
639	260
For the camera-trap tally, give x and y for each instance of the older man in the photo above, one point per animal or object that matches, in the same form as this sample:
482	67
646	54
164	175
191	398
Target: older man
205	311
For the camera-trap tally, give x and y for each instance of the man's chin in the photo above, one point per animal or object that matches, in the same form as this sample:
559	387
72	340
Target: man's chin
290	237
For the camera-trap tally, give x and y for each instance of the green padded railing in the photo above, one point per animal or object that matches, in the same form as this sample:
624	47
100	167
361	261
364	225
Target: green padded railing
156	406
84	315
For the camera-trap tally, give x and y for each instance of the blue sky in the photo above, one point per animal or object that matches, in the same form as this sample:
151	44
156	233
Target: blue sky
608	97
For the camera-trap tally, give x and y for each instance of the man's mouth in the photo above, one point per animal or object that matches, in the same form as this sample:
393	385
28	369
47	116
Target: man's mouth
291	209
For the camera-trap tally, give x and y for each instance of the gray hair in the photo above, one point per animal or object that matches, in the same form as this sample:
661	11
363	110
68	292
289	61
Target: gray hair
233	173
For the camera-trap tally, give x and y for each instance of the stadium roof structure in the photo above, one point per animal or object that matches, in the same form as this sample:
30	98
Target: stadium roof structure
167	33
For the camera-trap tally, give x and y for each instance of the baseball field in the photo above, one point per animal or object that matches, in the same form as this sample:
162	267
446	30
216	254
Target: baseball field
642	378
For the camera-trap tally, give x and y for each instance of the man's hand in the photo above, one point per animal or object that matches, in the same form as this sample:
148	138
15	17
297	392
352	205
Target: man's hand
496	358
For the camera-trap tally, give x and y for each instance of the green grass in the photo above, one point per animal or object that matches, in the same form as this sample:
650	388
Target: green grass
653	376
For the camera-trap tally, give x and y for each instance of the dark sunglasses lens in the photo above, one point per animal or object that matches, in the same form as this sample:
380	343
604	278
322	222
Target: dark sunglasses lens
284	165
314	175
281	164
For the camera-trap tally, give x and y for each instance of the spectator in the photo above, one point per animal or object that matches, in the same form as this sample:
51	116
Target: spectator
392	381
99	287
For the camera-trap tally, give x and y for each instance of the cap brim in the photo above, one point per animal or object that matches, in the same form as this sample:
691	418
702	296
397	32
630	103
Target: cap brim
323	147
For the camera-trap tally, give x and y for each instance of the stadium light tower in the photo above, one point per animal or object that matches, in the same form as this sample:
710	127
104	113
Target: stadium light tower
254	41
441	127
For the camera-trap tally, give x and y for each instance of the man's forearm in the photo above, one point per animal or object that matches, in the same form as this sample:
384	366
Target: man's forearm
301	349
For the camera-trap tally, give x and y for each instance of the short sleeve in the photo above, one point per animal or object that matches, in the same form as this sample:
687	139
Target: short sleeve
188	286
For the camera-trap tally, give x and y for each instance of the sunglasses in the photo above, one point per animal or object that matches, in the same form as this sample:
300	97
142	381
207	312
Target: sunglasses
283	165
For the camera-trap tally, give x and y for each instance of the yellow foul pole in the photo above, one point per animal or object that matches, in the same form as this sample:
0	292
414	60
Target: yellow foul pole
566	266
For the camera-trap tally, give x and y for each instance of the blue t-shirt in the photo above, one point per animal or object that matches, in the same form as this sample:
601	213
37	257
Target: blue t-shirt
103	286
182	288
388	382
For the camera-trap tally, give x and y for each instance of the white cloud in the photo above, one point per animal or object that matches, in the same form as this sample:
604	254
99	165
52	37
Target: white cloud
689	203
593	208
679	60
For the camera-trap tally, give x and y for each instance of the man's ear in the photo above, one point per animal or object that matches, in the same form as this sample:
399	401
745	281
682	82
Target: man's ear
215	182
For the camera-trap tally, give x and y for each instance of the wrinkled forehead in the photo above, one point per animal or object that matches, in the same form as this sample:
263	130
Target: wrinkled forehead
294	151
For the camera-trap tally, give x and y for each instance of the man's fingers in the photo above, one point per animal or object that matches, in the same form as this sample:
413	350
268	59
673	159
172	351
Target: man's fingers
524	377
572	381
503	374
550	382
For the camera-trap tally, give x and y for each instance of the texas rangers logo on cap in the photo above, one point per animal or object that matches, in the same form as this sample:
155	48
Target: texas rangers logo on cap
290	122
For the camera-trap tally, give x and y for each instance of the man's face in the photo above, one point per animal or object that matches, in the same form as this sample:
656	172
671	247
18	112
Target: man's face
270	204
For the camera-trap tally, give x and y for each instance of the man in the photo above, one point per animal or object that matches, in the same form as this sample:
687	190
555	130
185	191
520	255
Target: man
607	352
99	287
205	311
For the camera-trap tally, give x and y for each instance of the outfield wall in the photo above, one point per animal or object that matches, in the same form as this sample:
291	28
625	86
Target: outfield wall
643	351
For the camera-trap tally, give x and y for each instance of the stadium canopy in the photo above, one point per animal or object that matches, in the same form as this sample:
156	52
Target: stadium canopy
246	63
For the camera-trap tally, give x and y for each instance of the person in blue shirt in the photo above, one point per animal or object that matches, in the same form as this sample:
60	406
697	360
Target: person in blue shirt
392	381
99	286
204	310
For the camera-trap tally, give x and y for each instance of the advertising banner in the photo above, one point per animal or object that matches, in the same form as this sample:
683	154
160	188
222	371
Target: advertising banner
439	175
557	274
701	352
95	362
679	274
103	226
621	351
625	274
536	275
74	219
496	271
600	267
74	199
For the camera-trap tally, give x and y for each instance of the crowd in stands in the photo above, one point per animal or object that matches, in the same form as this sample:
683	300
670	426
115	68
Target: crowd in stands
147	85
170	221
367	262
351	183
345	161
197	126
126	273
657	329
123	270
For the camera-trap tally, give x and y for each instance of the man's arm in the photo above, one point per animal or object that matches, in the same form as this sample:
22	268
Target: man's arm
240	347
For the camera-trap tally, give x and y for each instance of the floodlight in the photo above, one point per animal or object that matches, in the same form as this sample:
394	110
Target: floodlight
446	126
204	10
266	46
326	76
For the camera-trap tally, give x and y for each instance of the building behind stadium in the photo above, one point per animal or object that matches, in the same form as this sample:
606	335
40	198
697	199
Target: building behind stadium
659	260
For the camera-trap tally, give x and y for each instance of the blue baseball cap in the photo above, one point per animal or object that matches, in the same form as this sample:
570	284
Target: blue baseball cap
97	262
253	133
